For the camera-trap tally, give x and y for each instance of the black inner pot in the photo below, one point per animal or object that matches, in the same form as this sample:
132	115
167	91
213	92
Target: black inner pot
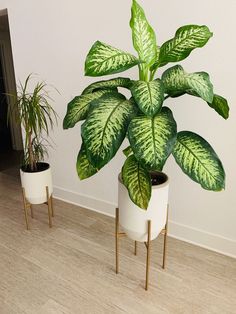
41	166
158	178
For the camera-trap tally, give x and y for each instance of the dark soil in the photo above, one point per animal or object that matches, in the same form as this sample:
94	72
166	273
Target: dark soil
41	166
158	178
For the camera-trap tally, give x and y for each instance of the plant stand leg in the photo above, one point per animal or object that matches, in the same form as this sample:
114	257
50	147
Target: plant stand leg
135	247
165	240
31	211
148	246
117	240
49	208
52	207
25	209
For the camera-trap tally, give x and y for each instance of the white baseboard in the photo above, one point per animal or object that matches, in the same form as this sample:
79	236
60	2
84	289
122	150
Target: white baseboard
202	238
179	231
85	201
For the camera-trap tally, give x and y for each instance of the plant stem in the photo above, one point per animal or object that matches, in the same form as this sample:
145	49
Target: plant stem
152	73
143	73
140	72
30	149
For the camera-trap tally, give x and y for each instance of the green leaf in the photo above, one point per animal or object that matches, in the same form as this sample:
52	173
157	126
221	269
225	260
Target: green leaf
104	59
144	38
78	108
148	95
220	105
127	151
186	39
177	82
152	138
84	168
105	128
199	161
112	84
201	84
138	182
174	81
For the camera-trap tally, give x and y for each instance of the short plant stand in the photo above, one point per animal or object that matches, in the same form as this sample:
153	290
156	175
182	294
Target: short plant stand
119	234
28	205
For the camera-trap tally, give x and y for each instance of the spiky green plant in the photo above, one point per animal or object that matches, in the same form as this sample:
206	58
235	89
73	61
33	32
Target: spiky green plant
149	126
37	117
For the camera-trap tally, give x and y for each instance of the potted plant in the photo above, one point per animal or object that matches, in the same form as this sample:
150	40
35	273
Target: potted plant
37	117
149	126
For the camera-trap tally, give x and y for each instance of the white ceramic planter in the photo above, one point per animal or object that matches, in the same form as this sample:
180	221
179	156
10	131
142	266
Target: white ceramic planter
134	220
35	184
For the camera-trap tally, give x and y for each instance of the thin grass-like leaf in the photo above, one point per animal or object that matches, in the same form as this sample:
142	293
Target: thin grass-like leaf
37	117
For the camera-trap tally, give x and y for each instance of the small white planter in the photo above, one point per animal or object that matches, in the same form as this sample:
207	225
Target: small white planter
35	184
134	220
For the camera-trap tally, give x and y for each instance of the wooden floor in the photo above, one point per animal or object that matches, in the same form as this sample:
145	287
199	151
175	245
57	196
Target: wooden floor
70	268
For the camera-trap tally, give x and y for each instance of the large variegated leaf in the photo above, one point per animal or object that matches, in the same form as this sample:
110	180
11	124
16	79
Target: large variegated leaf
104	59
201	84
83	166
78	108
152	138
177	82
186	39
148	95
138	182
199	161
112	84
174	81
105	128
220	105
144	38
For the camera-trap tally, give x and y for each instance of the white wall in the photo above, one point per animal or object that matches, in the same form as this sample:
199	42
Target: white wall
51	38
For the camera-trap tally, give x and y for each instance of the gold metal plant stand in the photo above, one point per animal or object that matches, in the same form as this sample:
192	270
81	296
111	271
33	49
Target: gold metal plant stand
119	234
28	205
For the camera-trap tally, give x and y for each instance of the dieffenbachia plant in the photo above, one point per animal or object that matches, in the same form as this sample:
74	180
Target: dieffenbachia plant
149	126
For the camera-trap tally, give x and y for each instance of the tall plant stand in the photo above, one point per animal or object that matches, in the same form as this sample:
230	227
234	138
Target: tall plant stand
28	205
119	234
